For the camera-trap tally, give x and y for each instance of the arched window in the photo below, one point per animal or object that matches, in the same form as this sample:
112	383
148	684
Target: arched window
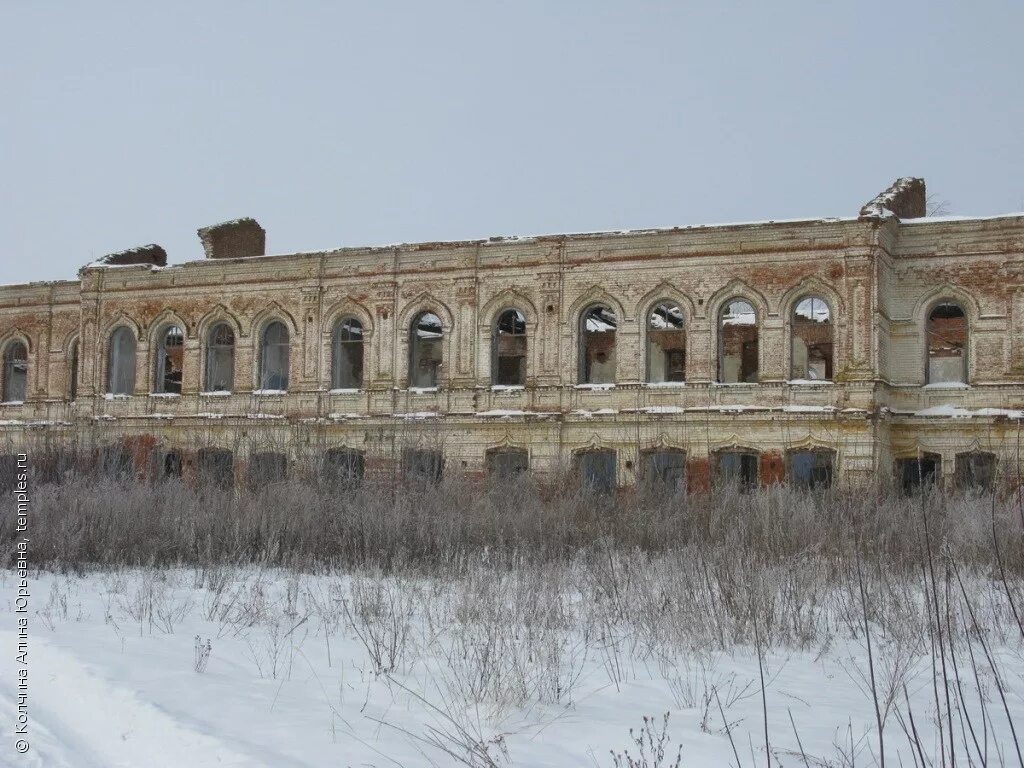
15	372
811	340
274	357
168	359
508	349
121	362
426	335
73	371
220	359
347	354
666	344
737	342
947	344
597	345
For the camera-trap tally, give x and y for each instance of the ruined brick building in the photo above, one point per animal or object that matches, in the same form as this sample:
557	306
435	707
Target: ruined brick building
886	344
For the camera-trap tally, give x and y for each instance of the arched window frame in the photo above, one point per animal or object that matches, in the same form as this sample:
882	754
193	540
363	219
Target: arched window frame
584	375
964	378
720	330
668	378
15	370
354	349
793	323
273	380
521	320
218	355
167	382
416	350
121	362
73	362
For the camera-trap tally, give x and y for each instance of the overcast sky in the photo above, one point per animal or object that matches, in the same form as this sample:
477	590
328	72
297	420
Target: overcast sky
365	123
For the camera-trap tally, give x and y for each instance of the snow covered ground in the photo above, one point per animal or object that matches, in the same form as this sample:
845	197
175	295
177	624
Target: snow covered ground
366	670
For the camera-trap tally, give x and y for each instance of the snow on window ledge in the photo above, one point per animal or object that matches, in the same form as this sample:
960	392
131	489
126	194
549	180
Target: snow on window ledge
270	391
165	394
811	382
343	391
947	385
596	387
507	388
13	402
665	384
216	393
422	390
116	396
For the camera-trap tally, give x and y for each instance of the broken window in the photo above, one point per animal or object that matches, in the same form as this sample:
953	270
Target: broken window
216	467
344	466
169	357
507	463
347	354
918	473
274	351
811	469
597	470
425	350
509	349
166	465
664	469
975	471
736	468
422	465
121	362
116	463
220	359
73	372
737	342
15	372
812	340
597	345
267	468
666	344
947	344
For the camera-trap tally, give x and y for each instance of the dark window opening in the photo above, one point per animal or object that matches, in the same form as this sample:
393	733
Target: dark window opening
426	336
267	468
169	358
220	359
597	470
666	344
344	466
737	343
347	354
507	463
810	470
8	473
421	465
216	467
15	383
509	352
73	371
597	346
812	340
166	465
664	469
918	473
737	468
274	358
121	362
947	345
975	471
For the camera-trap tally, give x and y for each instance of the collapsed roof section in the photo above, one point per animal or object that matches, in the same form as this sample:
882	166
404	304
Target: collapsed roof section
904	198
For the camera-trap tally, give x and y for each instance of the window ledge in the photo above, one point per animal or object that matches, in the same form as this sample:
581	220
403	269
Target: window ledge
665	384
344	391
117	396
507	388
422	390
810	382
947	385
595	387
170	395
13	402
265	392
216	393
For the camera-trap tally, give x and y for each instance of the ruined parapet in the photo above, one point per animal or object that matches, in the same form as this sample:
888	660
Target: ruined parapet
236	239
904	198
151	255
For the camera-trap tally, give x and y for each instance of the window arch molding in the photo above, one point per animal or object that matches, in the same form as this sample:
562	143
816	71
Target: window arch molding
425	302
156	340
716	316
16	372
219	315
73	363
734	290
595	296
966	358
118	334
663	294
791	307
340	310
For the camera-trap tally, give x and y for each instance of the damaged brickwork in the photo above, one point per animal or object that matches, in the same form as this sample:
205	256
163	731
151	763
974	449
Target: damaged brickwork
278	360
